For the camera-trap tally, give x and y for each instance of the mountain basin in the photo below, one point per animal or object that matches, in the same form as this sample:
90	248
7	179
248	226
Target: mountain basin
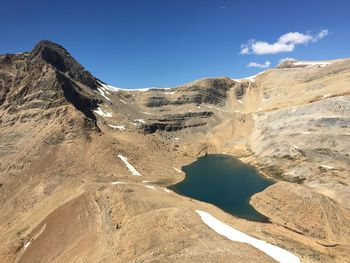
224	182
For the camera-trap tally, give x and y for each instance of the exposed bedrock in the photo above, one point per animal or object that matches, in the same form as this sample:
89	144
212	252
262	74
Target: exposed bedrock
310	213
211	91
176	122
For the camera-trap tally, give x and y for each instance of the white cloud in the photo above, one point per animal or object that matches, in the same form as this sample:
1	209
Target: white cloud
257	65
285	43
286	59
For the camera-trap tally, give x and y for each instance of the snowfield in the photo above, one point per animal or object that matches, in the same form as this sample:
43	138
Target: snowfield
277	253
99	111
129	166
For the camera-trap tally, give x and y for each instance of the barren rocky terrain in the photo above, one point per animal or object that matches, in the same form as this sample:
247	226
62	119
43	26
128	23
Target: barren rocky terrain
68	195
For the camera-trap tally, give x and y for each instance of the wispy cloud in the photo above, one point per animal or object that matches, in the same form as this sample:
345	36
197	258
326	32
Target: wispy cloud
285	43
257	65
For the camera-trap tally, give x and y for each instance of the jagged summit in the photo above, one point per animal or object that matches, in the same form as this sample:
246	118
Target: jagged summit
45	78
58	57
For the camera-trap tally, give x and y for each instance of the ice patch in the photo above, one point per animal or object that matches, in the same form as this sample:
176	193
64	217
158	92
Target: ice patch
119	127
277	253
99	111
129	166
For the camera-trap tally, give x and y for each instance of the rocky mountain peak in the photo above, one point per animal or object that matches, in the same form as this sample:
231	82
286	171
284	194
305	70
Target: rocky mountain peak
60	59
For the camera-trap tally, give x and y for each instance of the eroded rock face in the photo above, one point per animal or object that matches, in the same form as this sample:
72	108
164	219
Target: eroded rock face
45	78
177	122
303	210
211	91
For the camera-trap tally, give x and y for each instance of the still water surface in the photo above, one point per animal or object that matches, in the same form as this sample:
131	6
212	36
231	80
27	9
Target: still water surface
224	182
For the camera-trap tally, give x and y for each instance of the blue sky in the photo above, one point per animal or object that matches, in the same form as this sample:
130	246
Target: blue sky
142	43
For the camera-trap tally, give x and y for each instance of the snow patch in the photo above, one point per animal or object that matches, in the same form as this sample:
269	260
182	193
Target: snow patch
116	182
26	245
326	166
277	253
151	187
220	109
240	101
103	94
99	111
109	87
144	112
305	132
119	127
123	101
311	63
166	190
140	120
177	170
129	166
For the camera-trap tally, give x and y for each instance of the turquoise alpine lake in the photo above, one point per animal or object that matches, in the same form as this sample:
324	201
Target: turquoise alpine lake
224	182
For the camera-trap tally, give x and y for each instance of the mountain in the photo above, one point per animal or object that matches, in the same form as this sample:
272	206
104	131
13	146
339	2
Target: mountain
71	146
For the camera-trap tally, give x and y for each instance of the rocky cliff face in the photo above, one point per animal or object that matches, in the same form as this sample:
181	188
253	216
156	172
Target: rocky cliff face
45	78
45	97
61	179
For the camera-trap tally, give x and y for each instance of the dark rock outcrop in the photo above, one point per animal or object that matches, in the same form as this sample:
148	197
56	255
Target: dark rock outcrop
176	122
